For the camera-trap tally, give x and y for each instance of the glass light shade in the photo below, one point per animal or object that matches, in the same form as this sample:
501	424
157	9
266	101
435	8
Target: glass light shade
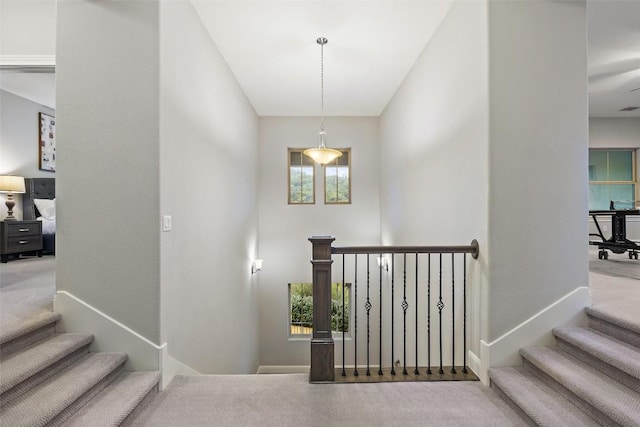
11	184
322	154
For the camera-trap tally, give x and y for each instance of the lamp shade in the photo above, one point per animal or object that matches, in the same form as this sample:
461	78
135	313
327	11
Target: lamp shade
11	184
322	155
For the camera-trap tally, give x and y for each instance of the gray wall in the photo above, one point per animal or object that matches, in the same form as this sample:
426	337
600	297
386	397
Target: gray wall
209	168
19	142
108	229
28	27
284	229
434	144
537	158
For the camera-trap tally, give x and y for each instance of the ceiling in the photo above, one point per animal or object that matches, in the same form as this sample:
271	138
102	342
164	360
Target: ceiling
271	48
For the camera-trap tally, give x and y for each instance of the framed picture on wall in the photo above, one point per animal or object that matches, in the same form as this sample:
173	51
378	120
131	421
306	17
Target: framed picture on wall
47	143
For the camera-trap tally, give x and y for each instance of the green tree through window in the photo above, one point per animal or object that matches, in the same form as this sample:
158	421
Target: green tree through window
301	308
301	178
337	180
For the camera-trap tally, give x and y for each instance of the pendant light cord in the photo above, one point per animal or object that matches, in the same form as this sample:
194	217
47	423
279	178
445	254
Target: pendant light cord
321	42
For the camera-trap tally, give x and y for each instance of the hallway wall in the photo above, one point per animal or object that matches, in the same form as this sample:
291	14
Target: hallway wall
208	181
434	146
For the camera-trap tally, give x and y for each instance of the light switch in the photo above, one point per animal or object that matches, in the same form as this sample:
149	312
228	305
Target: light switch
166	223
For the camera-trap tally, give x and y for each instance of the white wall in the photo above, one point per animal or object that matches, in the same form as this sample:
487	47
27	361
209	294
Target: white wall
28	27
434	145
284	229
209	164
537	158
108	193
614	132
19	142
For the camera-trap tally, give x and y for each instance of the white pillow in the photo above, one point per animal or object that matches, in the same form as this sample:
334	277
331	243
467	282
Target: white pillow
46	207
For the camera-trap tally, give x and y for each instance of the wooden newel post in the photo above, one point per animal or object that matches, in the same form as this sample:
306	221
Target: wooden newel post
322	357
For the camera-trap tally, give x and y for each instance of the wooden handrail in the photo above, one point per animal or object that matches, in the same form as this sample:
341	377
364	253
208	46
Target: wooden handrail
472	249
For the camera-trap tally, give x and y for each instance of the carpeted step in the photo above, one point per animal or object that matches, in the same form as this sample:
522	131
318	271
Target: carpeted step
621	321
601	397
22	333
116	401
540	405
63	394
31	365
617	359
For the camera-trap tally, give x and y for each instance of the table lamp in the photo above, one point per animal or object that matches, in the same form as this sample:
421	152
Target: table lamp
11	184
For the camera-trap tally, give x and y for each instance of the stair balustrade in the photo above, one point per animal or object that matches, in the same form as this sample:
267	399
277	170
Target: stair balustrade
415	283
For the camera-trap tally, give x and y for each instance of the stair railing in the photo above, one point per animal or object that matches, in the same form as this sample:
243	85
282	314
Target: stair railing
322	341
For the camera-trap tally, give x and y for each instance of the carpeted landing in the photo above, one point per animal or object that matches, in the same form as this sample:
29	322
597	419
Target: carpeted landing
290	400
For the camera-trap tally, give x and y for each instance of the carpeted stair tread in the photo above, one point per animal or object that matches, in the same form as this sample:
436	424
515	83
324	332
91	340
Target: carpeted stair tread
537	400
603	393
30	324
614	313
54	395
616	353
116	401
29	361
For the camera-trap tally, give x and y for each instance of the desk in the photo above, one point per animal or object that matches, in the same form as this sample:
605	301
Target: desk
618	242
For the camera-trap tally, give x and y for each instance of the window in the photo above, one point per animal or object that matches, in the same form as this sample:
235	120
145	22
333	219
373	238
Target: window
337	180
612	178
301	308
301	178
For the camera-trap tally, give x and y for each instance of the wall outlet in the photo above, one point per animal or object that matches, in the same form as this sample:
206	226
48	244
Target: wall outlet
166	223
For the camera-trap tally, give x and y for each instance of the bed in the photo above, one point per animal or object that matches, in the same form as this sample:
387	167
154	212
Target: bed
38	202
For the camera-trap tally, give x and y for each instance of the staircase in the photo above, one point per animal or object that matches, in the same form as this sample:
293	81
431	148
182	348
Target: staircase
49	378
591	377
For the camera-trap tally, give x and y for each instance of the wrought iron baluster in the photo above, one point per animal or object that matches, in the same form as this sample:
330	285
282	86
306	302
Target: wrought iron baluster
464	313
367	306
416	371
429	314
405	305
344	373
380	324
355	317
440	307
453	314
393	269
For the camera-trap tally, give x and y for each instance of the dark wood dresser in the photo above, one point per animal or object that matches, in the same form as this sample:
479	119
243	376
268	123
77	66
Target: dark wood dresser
18	237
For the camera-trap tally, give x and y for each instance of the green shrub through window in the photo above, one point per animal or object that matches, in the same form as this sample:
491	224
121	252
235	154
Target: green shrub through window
301	308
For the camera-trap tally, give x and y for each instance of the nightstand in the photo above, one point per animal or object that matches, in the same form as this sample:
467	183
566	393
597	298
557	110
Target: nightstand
17	237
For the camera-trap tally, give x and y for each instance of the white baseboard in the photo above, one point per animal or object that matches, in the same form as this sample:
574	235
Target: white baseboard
110	335
535	331
171	367
473	362
283	369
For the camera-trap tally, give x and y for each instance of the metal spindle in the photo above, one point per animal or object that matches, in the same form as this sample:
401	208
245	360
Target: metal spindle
355	317
453	314
429	314
344	373
380	324
464	313
405	305
393	363
416	371
367	306
440	307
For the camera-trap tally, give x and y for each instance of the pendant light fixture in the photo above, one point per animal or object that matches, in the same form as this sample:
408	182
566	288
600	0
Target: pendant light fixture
322	154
